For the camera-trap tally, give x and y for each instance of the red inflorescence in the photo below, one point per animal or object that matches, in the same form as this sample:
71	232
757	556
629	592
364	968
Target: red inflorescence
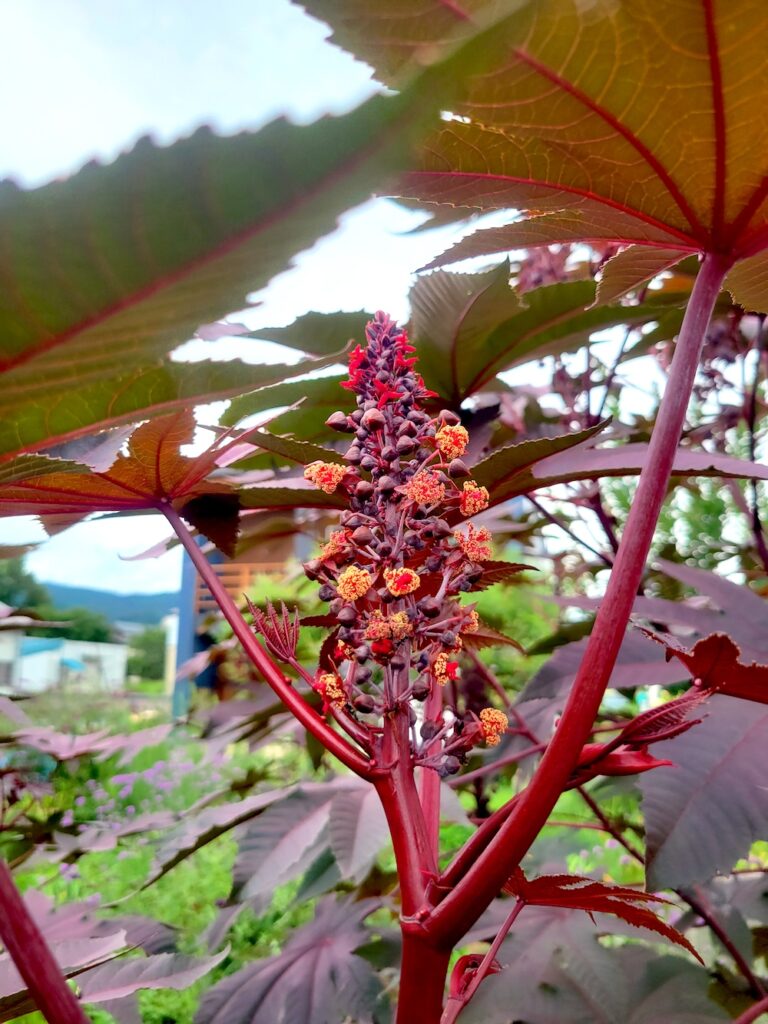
395	569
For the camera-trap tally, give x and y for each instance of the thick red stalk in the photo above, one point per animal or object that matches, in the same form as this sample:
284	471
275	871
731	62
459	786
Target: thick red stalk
295	703
33	959
422	981
429	788
458	911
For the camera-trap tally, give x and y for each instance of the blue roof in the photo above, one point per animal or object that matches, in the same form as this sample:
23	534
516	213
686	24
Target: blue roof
73	663
38	644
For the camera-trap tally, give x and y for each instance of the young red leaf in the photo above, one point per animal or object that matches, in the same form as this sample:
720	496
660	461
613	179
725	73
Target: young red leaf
715	662
578	893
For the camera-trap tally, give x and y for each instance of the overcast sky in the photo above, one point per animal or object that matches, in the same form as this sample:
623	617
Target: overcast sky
84	79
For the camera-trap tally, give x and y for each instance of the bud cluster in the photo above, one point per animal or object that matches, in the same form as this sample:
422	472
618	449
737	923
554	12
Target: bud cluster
392	574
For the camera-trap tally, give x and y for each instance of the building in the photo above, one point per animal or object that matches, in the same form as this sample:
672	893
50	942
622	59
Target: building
32	664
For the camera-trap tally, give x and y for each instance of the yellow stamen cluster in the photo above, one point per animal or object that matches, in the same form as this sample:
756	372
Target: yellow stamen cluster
334	545
401	581
472	623
444	669
394	627
353	583
452	441
473	498
325	475
332	688
493	725
475	543
426	488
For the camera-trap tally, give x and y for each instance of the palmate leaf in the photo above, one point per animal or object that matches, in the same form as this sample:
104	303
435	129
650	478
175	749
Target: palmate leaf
703	814
151	475
105	273
594	121
578	893
716	661
467	328
315	980
543	462
574	980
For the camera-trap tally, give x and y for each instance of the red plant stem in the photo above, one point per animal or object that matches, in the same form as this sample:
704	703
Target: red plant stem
33	959
295	703
753	1013
493	766
430	780
461	907
455	1006
422	981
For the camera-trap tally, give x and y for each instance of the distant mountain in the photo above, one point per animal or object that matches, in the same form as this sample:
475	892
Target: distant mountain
147	609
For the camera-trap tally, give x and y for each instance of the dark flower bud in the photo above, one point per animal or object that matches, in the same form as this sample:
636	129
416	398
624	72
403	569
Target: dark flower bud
336	605
440	528
433	563
448	638
346	634
362	675
420	690
364	703
362	653
351	520
313	568
422	661
463	585
347	615
405	444
430	607
361	434
326	592
362	535
449	417
456	469
364	489
473	572
383	376
373	419
429	729
450	766
353	454
357	415
385	484
368	462
339	421
388	453
408	427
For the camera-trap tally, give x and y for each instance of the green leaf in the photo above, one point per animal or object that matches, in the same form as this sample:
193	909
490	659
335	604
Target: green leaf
632	268
452	319
321	334
501	471
319	397
107	272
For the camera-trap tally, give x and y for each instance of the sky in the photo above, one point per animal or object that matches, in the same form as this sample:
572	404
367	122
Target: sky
84	79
